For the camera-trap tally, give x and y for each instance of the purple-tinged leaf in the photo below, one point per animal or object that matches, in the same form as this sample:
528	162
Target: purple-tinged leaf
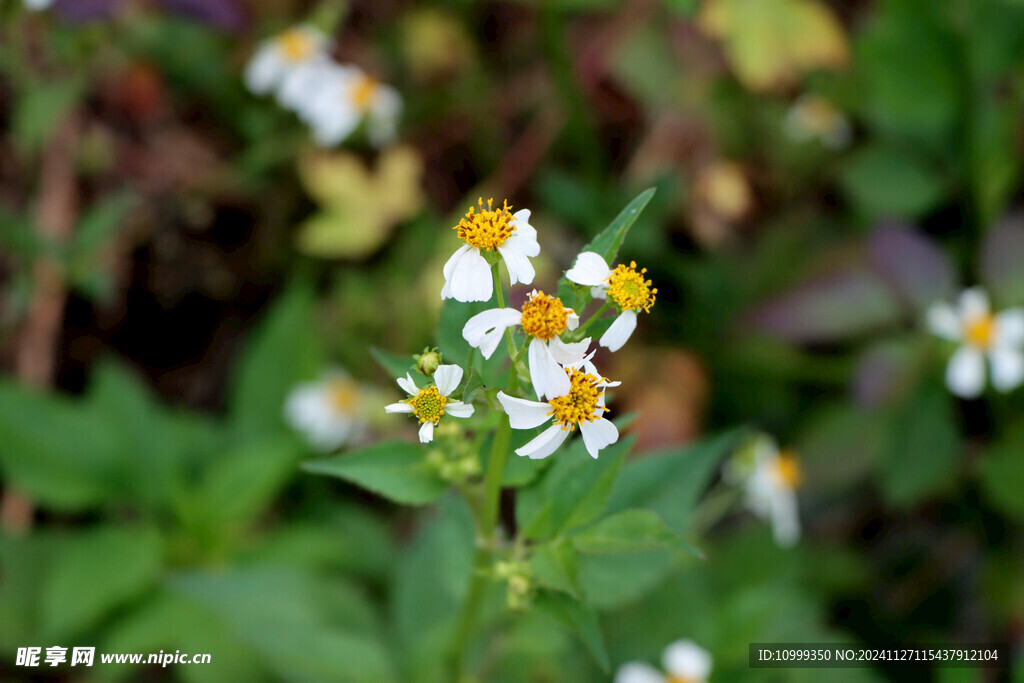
913	265
1002	261
830	308
223	14
886	372
81	11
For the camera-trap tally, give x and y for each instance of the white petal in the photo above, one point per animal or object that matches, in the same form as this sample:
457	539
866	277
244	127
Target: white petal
449	270
974	303
447	378
519	267
398	408
618	334
687	660
383	121
302	84
944	322
264	71
471	278
407	385
589	269
427	432
569	354
599	292
598	434
523	414
524	238
785	518
548	377
544	444
1010	328
458	409
965	374
484	330
1007	368
636	672
572	321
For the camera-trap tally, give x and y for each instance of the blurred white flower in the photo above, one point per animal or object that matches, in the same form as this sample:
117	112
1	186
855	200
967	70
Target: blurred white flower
684	662
431	403
770	477
467	274
38	5
980	334
285	57
582	405
340	97
812	117
543	318
328	412
624	285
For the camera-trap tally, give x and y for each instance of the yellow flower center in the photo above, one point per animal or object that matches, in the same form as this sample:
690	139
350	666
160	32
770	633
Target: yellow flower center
544	317
628	288
787	470
487	228
363	92
295	45
981	331
580	404
428	405
343	395
680	679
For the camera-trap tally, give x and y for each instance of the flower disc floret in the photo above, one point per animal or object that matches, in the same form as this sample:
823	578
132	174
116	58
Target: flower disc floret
296	45
629	289
486	228
428	405
787	471
981	331
580	404
544	317
364	91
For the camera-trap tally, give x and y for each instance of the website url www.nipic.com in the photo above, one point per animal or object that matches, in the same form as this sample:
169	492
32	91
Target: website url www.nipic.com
86	656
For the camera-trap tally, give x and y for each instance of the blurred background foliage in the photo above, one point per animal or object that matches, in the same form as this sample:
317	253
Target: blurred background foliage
175	256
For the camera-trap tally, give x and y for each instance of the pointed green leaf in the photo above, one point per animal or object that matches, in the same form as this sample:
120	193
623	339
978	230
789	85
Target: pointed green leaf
578	618
396	470
629	531
608	243
554	566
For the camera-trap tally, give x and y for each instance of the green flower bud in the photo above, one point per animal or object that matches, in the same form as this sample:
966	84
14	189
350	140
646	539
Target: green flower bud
428	361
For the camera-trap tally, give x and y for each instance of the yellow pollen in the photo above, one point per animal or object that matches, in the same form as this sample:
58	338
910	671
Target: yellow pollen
980	331
343	395
787	470
680	679
428	405
295	45
580	404
628	288
487	228
363	92
544	317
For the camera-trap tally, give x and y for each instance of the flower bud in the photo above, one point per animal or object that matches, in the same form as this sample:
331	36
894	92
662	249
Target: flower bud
428	361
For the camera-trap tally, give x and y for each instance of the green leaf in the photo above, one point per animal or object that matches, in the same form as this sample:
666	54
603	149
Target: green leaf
670	482
608	243
1002	472
578	618
629	531
572	491
922	459
40	108
395	365
396	470
241	483
98	571
554	566
888	184
101	222
282	352
294	621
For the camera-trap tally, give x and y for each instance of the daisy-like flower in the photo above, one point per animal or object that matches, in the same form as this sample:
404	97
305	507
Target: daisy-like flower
431	403
684	662
467	274
328	412
770	477
284	57
582	405
625	286
344	97
813	117
982	335
544	318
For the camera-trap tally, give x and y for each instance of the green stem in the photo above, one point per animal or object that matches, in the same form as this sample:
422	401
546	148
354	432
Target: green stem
487	526
578	333
501	304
